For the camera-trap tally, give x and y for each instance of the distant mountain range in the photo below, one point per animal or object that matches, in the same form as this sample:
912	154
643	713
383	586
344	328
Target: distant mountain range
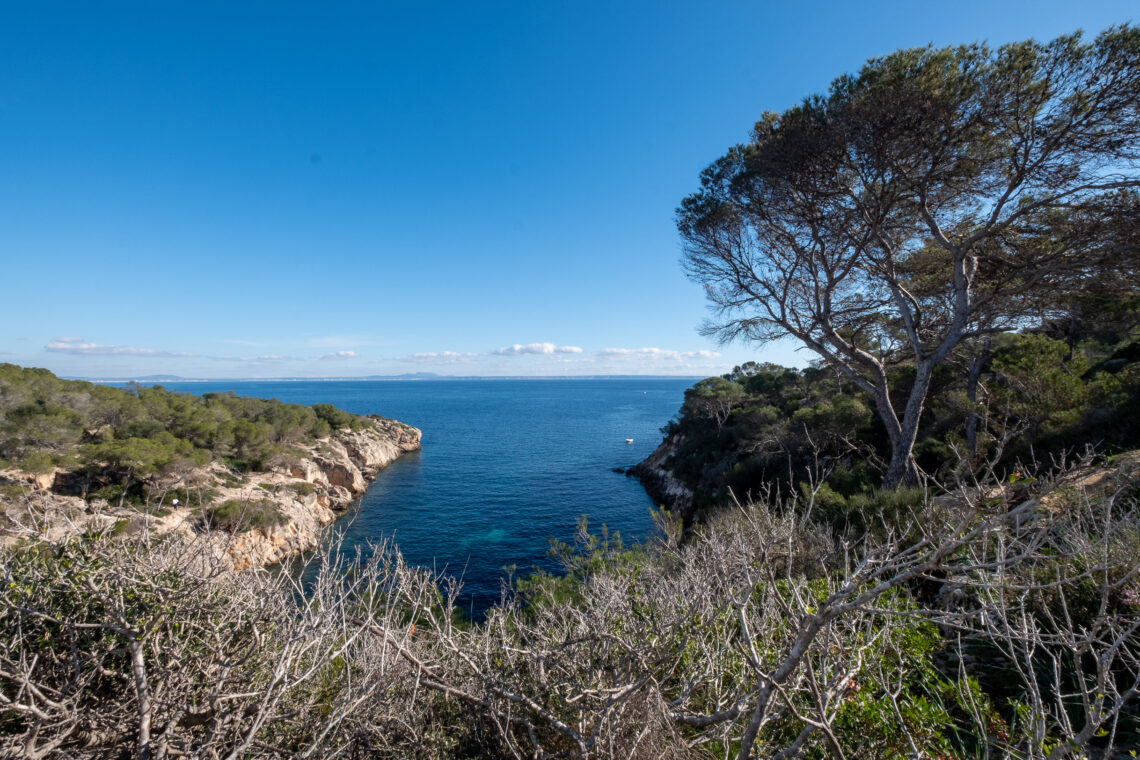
154	379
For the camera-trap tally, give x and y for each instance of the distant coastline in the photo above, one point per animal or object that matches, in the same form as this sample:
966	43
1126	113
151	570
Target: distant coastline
418	376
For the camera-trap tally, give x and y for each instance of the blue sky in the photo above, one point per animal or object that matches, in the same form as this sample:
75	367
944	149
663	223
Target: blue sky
264	189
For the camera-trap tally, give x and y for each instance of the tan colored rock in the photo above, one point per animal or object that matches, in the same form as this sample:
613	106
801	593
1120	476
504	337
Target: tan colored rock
306	470
44	480
343	475
39	481
341	497
371	452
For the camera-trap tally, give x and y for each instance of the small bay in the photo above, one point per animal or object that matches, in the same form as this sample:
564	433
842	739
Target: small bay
506	464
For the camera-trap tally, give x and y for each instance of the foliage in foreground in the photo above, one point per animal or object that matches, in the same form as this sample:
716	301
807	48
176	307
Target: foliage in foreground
973	626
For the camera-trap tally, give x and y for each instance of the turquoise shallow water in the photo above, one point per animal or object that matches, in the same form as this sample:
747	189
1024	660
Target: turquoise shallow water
505	465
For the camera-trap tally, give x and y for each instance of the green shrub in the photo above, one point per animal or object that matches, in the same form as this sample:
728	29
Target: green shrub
884	509
303	488
110	494
826	499
229	480
240	516
336	418
38	462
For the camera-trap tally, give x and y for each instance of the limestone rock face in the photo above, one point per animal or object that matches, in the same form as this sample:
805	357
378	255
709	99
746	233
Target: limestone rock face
340	467
342	474
660	482
371	453
340	496
306	470
300	532
305	494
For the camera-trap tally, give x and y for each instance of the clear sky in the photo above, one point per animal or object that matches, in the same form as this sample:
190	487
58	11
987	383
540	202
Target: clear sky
265	189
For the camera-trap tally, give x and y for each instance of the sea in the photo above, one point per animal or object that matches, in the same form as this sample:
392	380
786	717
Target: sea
506	465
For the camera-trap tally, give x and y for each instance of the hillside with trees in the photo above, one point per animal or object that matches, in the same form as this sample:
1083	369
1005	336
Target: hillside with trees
47	422
933	201
76	456
955	235
1037	403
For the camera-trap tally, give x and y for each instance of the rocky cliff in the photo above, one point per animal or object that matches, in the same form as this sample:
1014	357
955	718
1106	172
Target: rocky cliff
663	487
270	515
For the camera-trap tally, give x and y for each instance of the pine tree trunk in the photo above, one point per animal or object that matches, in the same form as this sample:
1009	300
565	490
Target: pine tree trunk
903	470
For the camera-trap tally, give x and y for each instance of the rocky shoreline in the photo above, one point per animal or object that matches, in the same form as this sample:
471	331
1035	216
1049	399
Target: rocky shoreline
660	483
303	495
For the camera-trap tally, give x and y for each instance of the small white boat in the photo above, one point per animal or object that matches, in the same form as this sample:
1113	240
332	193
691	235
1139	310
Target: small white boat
629	440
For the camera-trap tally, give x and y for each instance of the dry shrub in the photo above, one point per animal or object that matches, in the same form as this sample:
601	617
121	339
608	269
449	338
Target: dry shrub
973	627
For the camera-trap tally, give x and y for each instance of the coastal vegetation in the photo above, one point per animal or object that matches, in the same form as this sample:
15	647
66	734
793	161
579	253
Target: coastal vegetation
129	445
955	234
1037	402
252	481
997	621
925	546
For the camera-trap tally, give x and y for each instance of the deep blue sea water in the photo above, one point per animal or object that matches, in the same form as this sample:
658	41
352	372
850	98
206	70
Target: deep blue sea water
505	465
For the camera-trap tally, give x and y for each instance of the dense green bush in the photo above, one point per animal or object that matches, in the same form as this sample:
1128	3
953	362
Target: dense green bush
37	461
302	488
336	418
239	516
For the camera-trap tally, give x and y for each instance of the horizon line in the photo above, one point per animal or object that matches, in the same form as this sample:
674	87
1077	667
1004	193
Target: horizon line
421	377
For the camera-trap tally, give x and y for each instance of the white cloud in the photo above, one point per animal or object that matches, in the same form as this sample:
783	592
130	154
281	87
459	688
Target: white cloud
657	353
78	347
338	355
547	349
